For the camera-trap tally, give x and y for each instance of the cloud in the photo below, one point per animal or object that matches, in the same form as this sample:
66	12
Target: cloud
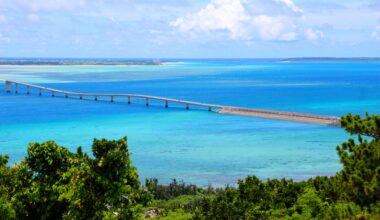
227	15
4	38
373	5
3	19
290	4
376	33
273	28
47	5
234	18
312	34
33	18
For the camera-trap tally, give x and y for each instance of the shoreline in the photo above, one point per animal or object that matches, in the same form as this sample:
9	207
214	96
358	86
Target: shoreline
80	65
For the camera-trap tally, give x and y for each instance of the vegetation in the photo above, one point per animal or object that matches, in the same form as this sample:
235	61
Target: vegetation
54	183
354	193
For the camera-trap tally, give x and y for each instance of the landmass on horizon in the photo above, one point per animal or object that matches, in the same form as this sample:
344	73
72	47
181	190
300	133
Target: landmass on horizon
150	61
78	61
332	59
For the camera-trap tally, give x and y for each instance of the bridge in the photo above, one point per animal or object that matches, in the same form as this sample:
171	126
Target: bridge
221	109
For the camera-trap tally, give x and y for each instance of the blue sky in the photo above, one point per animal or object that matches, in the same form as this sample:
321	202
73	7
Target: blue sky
189	28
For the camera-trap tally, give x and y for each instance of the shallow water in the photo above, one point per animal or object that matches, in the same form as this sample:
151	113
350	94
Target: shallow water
197	146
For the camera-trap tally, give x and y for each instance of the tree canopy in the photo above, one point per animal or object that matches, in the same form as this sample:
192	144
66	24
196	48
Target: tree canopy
53	183
353	193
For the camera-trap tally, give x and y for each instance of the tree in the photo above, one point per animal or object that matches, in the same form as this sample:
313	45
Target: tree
106	186
354	192
361	159
369	126
6	209
53	183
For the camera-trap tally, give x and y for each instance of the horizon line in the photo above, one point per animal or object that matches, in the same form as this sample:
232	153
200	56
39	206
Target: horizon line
216	58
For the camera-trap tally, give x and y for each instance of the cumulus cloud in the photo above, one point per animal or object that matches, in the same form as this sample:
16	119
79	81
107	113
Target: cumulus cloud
33	18
273	28
228	15
234	18
3	19
4	38
290	4
376	33
312	34
38	5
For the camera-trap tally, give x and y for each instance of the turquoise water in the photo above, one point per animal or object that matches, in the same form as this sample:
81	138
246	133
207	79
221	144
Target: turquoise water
196	146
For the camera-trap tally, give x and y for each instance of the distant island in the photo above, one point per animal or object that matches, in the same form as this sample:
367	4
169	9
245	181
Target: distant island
77	61
332	59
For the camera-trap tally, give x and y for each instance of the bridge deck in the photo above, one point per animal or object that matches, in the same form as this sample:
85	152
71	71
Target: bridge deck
261	113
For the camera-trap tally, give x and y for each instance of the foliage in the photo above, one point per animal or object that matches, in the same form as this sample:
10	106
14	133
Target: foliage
53	183
6	209
186	202
361	160
354	193
174	189
369	126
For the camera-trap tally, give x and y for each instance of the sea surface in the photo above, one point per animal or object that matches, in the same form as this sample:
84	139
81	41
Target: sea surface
195	146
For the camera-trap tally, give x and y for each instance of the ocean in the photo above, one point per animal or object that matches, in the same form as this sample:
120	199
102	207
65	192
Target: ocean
195	146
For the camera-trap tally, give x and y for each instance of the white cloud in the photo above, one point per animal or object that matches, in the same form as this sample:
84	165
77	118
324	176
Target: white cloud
236	18
38	5
3	38
376	33
227	15
273	28
312	34
3	19
290	4
33	18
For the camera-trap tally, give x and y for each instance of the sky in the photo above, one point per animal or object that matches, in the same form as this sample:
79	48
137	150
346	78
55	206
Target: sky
190	28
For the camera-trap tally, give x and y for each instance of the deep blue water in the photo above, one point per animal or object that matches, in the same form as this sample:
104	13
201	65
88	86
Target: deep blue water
196	146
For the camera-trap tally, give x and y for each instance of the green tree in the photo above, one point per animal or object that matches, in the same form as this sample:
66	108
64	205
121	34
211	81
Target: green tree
106	187
361	160
53	183
354	192
6	209
369	126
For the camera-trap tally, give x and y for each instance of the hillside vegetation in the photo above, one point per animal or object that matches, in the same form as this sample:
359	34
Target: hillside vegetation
54	183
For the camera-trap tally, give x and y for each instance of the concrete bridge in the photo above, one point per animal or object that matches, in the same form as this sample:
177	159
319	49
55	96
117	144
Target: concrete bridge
221	109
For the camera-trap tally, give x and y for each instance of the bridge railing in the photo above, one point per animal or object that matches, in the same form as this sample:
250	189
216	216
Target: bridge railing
112	97
253	112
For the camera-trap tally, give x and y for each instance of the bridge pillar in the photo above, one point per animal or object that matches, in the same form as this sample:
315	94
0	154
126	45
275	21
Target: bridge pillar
40	92
111	98
96	98
129	100
8	86
209	109
52	94
187	107
147	102
28	90
166	104
66	96
16	88
80	97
